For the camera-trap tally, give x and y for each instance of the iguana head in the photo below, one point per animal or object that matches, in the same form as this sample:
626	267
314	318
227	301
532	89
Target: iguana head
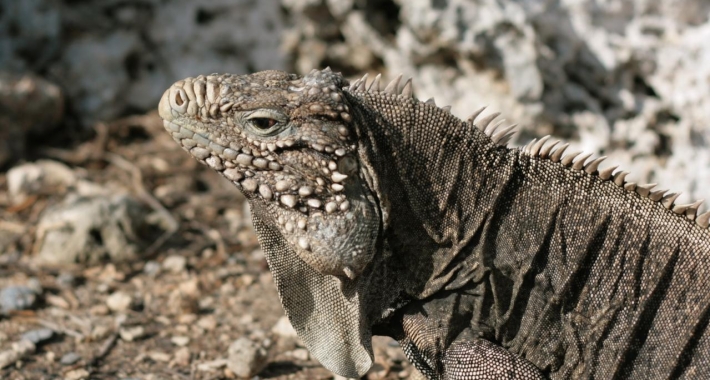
285	141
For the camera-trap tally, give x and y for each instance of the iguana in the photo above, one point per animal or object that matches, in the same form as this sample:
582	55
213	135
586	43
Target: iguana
380	214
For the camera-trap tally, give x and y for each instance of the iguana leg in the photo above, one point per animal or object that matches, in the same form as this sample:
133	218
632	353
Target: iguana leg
438	338
481	359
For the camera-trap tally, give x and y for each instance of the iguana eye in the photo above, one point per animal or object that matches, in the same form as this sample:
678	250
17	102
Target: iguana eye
263	123
266	122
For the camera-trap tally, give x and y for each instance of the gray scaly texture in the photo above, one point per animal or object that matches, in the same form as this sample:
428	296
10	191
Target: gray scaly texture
383	215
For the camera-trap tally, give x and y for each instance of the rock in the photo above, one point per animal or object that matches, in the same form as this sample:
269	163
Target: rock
8	357
151	268
90	230
175	263
158	356
182	357
212	365
43	177
17	298
29	106
301	354
99	332
208	322
119	301
99	309
284	329
246	358
139	49
77	374
66	280
19	350
38	336
24	347
70	358
180	341
129	334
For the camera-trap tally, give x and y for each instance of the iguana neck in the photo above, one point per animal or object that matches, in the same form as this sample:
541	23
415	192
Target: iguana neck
431	172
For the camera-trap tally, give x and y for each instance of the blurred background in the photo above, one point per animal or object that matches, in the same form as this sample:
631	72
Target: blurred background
120	257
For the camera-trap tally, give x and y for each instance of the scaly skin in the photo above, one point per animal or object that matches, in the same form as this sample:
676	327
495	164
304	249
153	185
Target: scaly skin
380	214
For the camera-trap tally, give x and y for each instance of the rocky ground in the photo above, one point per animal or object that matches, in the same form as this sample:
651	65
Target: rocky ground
199	303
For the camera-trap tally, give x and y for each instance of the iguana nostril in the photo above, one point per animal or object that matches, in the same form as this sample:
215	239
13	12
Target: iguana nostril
178	99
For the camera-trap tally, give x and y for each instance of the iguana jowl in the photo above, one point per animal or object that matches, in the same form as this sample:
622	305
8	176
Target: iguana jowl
381	214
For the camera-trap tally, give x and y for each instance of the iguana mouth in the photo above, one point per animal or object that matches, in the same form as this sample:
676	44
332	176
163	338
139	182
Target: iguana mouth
306	174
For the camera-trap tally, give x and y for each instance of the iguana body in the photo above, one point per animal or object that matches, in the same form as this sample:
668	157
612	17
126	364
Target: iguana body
381	214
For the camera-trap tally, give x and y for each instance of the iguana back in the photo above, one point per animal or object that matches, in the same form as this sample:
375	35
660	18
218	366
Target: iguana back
381	214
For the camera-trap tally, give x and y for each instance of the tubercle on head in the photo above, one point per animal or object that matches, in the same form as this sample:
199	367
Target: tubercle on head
284	141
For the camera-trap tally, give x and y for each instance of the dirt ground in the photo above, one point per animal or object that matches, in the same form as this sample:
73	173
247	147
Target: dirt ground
172	313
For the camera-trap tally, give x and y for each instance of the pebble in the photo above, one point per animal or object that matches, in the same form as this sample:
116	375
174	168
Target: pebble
99	309
38	336
180	341
212	365
119	301
175	263
246	358
99	332
151	268
70	358
24	347
8	357
182	357
300	354
17	298
77	374
19	350
284	329
66	280
158	356
208	322
129	334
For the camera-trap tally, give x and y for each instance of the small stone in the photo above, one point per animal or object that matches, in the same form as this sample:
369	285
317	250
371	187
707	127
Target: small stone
246	358
180	341
175	263
99	332
129	334
300	354
77	374
119	301
24	347
151	268
8	357
284	329
65	280
99	309
70	358
208	322
38	336
182	357
187	319
212	365
17	298
159	356
377	371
